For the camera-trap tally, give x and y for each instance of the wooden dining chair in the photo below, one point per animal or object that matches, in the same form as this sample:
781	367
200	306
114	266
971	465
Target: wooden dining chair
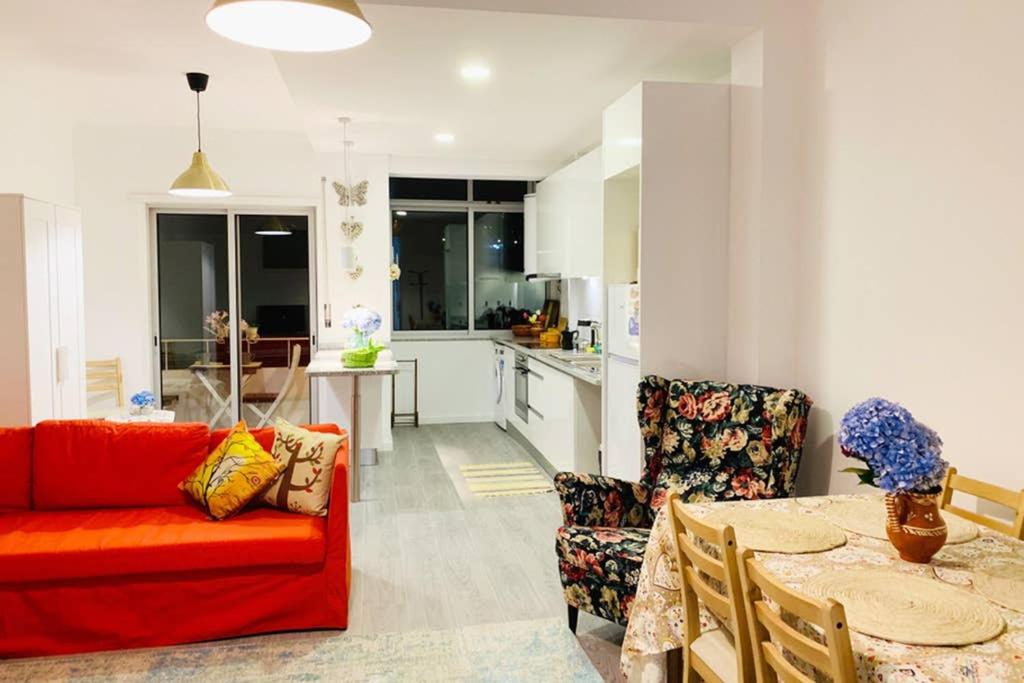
255	399
771	635
720	654
105	376
985	491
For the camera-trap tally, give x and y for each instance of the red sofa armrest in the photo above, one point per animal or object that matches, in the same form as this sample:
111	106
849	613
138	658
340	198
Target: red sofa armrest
338	560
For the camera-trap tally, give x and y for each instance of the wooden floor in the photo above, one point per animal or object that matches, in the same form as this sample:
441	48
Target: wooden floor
428	555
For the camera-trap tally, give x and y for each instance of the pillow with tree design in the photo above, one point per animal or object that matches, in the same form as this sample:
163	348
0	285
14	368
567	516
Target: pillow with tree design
308	461
237	471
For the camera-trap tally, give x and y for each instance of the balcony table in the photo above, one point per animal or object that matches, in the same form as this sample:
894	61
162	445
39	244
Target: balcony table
223	403
656	616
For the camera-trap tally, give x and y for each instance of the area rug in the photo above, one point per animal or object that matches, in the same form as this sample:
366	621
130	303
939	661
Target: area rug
505	479
536	650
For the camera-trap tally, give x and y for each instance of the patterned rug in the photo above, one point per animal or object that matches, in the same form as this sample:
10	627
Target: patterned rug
538	650
505	479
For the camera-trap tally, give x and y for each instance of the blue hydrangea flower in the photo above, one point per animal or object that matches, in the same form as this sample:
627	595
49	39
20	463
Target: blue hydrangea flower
362	319
144	399
902	454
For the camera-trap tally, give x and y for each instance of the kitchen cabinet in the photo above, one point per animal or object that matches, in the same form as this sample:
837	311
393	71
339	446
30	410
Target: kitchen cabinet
551	403
564	418
530	234
41	353
569	224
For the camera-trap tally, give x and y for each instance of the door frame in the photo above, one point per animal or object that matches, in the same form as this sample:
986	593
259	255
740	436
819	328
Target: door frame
231	212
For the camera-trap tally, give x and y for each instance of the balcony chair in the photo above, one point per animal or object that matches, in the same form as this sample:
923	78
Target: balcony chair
255	399
707	441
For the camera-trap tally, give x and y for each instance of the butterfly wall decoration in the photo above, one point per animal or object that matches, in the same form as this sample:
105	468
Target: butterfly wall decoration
352	195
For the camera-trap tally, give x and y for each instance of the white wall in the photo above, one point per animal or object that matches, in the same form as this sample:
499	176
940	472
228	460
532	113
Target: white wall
456	379
35	135
911	278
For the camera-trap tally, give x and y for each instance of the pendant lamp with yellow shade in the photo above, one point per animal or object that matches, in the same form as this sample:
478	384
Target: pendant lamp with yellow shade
199	179
291	25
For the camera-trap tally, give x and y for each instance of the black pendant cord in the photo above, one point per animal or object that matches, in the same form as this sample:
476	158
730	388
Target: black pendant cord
199	124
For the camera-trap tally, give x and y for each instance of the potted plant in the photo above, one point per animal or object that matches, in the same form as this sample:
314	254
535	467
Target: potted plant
903	458
362	351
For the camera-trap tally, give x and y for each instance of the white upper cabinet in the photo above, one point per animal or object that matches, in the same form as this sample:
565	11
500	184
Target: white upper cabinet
623	133
569	228
530	234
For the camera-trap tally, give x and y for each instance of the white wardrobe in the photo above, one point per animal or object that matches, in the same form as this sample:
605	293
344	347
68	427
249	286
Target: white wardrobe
42	364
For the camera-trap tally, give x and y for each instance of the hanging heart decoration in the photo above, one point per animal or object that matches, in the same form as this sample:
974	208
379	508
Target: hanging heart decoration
351	229
356	273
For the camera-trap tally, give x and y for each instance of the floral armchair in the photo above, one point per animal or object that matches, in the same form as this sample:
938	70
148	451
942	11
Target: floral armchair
707	440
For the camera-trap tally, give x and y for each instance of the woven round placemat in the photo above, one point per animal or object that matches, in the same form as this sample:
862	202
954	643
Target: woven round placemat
867	518
1003	584
908	609
774	531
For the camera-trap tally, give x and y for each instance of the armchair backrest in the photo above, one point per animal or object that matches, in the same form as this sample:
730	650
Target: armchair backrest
718	441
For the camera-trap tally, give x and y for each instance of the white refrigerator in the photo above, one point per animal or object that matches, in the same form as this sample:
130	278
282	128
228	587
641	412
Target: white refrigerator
623	454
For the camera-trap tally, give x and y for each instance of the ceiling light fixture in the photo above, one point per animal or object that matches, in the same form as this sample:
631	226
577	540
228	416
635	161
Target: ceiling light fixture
291	25
274	228
199	180
476	72
445	138
401	213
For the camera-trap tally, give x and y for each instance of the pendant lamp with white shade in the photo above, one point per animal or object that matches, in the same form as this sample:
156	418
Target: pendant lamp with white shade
291	25
199	179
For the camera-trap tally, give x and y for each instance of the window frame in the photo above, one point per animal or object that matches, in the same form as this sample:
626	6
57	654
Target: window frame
471	207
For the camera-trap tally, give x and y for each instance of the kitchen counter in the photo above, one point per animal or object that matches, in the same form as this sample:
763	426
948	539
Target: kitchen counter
551	358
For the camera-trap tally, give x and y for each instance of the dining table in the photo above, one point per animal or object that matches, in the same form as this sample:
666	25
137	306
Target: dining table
203	371
656	615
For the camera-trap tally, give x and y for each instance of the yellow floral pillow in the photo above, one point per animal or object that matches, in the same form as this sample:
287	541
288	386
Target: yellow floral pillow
235	473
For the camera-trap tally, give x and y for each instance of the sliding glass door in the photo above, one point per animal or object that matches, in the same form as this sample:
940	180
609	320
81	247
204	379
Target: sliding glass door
234	295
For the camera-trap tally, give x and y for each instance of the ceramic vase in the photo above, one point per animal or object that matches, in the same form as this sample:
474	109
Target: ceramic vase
914	525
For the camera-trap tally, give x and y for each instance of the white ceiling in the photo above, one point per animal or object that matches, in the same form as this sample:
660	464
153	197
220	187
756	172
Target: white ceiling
122	62
552	78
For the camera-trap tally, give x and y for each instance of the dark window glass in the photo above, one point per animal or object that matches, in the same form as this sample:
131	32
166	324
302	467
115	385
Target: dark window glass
445	189
499	190
501	295
432	249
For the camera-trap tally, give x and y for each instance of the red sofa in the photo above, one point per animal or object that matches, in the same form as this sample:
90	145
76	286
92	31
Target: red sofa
100	550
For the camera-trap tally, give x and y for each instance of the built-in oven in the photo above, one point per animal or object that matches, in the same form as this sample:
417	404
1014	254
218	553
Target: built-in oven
523	386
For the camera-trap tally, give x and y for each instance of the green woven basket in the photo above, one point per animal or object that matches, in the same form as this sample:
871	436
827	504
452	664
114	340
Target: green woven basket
365	357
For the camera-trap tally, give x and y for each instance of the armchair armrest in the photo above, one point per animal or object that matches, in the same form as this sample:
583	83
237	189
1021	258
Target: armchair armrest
593	500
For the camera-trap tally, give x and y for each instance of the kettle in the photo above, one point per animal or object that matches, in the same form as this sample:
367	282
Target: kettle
569	339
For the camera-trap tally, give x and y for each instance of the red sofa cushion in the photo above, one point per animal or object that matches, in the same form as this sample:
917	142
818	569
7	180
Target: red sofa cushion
15	468
74	544
265	436
95	464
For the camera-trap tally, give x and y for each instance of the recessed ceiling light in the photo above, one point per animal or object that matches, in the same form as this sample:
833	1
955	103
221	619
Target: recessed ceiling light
476	72
401	213
445	138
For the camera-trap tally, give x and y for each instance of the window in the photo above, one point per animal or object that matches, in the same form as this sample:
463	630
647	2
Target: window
460	245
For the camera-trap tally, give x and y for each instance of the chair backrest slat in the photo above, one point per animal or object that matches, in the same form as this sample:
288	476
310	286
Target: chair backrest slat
700	571
784	671
103	376
984	491
771	634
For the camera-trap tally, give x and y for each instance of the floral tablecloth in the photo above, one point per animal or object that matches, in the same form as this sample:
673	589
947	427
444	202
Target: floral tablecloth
656	617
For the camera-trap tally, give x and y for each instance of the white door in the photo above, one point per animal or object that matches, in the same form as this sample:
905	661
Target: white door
67	301
39	234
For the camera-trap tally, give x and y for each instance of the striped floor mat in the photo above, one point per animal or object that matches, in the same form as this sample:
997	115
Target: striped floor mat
505	479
